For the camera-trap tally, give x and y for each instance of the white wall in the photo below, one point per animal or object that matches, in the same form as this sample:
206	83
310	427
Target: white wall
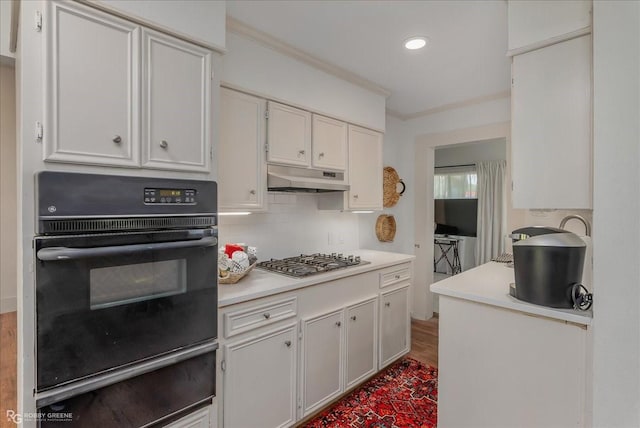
8	191
258	69
464	154
616	237
293	225
201	20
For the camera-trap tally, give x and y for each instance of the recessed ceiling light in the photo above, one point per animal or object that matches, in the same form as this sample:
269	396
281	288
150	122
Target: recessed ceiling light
414	43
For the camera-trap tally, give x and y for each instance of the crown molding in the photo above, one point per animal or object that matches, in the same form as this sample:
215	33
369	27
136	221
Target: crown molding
242	29
452	106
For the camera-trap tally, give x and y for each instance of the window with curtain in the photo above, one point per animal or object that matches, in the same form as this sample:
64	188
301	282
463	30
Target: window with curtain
460	182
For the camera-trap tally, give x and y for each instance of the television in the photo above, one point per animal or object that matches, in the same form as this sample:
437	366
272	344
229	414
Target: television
456	217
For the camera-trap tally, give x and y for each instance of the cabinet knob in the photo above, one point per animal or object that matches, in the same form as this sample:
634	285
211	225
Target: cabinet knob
117	139
288	343
353	318
321	155
355	196
387	304
266	315
252	192
338	324
164	144
301	152
397	277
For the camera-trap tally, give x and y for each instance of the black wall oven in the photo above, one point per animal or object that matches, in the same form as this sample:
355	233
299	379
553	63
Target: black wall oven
126	296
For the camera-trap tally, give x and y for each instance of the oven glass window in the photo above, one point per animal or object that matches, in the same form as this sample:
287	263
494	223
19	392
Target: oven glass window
122	284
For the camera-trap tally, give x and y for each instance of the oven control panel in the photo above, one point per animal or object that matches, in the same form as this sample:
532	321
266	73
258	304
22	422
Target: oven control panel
169	196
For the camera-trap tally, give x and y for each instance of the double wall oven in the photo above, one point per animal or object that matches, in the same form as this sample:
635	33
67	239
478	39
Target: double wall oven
126	298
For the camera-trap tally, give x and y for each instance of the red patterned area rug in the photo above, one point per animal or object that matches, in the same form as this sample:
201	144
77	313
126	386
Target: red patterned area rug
403	395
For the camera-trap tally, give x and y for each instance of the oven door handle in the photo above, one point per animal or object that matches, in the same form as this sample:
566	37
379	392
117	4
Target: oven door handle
66	253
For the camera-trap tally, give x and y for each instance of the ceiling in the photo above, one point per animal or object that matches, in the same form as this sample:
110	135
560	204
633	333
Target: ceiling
464	59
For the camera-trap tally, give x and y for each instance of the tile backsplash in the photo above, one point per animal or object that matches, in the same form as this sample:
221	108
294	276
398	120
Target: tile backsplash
292	225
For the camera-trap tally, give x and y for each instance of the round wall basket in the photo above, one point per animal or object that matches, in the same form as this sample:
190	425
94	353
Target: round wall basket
386	228
390	184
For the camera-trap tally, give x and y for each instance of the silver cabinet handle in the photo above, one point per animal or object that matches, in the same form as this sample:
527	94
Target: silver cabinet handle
288	343
353	317
387	304
321	155
338	324
252	192
301	152
164	144
266	315
397	277
117	139
355	196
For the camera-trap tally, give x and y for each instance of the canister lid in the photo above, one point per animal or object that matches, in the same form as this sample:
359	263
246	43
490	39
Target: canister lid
565	239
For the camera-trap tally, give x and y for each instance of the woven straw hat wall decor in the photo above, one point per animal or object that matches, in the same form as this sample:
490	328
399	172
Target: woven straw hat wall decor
385	228
390	183
392	188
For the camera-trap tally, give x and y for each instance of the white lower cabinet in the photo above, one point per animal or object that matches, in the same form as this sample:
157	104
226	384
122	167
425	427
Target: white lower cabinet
286	356
260	380
321	365
198	419
395	325
361	342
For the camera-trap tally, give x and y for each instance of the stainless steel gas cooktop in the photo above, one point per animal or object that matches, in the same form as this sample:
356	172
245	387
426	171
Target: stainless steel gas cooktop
310	264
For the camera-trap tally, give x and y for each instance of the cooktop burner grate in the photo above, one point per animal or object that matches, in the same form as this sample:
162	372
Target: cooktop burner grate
310	264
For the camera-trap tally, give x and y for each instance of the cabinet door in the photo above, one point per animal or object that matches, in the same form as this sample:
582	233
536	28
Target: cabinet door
551	126
241	165
361	359
321	361
176	93
198	419
395	326
289	135
92	87
365	169
329	143
259	381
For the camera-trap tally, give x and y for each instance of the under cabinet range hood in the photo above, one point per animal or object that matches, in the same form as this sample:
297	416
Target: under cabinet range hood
294	179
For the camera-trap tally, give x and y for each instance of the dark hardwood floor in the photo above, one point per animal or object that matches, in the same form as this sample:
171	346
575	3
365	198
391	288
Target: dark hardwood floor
424	348
424	341
8	366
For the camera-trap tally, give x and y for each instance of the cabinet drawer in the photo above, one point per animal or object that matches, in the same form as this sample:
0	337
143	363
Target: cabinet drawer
395	274
243	320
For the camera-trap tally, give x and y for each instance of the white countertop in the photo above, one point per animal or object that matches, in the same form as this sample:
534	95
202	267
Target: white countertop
489	284
259	283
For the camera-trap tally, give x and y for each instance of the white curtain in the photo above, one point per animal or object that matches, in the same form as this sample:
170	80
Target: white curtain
491	210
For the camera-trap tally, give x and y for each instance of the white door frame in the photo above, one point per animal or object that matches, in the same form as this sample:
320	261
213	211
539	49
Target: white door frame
423	215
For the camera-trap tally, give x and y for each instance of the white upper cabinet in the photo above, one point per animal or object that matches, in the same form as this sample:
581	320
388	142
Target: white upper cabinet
241	163
92	87
365	169
329	143
289	135
551	126
5	28
176	94
96	70
533	21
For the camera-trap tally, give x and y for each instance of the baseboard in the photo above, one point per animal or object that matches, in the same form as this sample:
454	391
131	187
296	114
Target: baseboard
8	304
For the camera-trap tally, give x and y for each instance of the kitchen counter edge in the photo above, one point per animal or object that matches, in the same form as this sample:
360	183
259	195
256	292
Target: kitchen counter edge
489	284
260	283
